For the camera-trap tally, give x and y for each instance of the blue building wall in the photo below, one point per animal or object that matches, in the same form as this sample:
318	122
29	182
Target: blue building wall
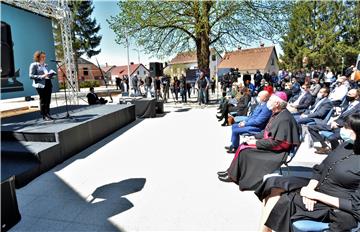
30	32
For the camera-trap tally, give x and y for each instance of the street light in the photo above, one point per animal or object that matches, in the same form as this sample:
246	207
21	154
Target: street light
128	61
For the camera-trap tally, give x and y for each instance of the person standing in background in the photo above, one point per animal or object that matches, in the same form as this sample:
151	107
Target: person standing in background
203	85
183	88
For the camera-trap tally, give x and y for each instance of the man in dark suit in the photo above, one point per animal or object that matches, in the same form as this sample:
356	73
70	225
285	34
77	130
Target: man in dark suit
334	127
318	112
93	98
303	102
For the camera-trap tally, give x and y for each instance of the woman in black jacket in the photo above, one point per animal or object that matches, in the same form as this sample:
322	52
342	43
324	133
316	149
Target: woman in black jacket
241	107
332	195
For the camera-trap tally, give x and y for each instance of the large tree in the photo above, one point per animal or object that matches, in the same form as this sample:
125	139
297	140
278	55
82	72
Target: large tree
324	32
166	27
84	29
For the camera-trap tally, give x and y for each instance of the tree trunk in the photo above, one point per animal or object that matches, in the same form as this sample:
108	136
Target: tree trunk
203	40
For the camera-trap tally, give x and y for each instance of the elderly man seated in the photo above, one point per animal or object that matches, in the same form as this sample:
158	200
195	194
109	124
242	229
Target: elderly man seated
253	124
318	112
303	102
339	92
265	154
335	126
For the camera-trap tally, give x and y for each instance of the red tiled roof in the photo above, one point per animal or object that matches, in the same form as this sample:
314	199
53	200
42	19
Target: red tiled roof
123	70
187	57
247	59
107	68
184	57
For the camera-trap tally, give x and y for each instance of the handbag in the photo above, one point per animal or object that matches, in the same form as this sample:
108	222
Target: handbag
231	119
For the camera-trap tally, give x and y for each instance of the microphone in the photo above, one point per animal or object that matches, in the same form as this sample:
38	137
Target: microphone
56	61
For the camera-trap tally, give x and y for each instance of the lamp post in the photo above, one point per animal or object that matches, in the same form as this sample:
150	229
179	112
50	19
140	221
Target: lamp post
128	62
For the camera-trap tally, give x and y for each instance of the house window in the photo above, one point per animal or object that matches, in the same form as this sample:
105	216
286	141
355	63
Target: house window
138	72
144	72
272	61
213	57
86	71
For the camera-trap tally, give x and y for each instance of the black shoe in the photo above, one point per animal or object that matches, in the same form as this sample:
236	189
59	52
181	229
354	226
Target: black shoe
228	147
224	124
231	151
46	118
225	178
223	174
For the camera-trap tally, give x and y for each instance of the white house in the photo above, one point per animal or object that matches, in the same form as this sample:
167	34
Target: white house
120	71
188	60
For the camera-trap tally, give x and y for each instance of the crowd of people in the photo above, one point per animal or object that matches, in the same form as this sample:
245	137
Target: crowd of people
270	119
165	87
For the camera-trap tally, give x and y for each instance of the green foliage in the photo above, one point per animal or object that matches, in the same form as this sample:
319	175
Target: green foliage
168	27
323	31
88	84
85	31
83	84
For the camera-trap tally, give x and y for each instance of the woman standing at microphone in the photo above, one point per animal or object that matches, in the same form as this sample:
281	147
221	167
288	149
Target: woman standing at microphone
40	74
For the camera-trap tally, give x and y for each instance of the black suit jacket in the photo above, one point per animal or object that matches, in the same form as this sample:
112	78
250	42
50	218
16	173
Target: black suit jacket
92	98
322	111
305	102
342	118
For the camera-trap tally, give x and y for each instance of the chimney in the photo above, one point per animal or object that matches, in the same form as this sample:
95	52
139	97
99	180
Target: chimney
131	63
262	44
106	64
239	48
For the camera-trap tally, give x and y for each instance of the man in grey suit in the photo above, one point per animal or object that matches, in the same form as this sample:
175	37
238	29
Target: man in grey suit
318	112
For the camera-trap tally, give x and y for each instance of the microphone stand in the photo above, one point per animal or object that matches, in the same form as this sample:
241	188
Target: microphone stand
66	80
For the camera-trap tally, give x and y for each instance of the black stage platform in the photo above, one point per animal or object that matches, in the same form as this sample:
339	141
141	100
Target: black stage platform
144	107
31	146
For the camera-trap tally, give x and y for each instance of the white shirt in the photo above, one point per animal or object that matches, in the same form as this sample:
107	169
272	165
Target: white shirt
299	99
338	93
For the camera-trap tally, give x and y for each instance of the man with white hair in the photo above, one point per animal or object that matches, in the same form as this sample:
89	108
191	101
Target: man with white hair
264	154
339	92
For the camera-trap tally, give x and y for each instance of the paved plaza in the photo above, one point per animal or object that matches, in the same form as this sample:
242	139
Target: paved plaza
154	174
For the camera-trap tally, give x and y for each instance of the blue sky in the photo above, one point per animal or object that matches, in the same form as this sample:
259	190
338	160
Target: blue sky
111	52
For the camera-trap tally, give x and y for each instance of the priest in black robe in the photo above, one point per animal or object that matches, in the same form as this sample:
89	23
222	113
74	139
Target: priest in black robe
264	154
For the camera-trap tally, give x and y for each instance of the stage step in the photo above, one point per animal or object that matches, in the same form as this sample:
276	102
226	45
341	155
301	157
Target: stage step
31	146
27	159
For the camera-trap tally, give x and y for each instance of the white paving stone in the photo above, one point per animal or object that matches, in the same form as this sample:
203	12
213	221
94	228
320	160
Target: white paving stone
156	174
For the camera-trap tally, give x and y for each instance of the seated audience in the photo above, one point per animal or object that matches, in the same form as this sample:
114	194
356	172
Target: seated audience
318	112
332	195
253	124
94	99
315	87
334	127
264	154
339	92
302	102
296	88
287	89
240	108
250	86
